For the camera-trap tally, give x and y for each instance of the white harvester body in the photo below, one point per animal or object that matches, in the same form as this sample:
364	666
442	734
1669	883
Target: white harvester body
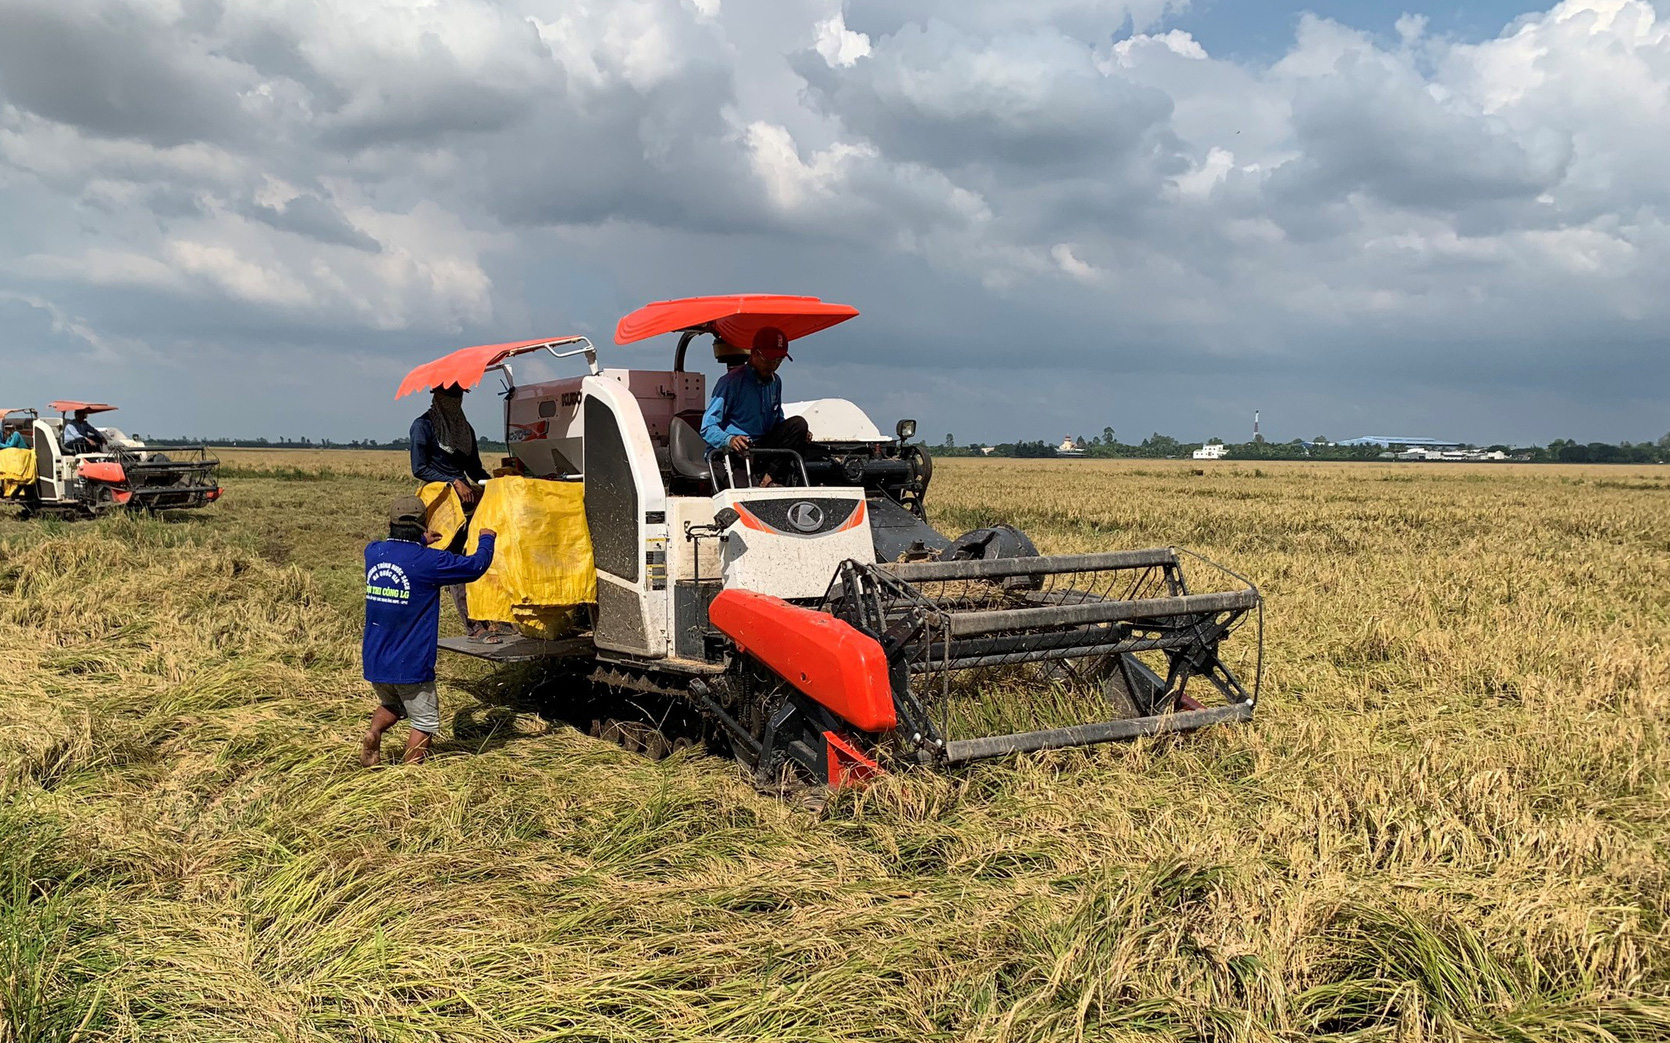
659	562
836	421
789	542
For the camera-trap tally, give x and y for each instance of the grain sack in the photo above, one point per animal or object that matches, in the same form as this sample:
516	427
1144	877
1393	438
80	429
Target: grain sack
17	469
442	513
542	564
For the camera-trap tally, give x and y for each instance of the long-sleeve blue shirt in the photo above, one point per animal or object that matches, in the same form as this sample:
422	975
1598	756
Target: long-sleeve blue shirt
431	463
83	430
742	405
403	582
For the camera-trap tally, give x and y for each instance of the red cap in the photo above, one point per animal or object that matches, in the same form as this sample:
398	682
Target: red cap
772	343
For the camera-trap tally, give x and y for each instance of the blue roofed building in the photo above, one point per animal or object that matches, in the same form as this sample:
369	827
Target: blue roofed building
1389	440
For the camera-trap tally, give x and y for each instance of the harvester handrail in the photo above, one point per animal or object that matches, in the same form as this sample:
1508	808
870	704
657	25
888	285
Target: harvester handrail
997	568
586	348
969	624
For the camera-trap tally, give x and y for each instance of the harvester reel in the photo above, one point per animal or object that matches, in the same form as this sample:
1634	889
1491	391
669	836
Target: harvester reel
1045	651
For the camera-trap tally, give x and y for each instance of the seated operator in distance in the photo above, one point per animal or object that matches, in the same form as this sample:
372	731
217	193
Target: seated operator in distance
444	450
80	436
14	437
747	407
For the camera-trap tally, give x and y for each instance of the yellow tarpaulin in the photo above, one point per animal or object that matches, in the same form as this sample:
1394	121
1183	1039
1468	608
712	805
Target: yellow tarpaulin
542	564
442	512
17	469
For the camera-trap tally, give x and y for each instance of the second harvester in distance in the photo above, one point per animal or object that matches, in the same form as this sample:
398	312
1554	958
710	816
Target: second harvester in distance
68	467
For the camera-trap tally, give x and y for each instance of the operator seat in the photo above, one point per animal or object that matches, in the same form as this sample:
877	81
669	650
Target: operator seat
687	452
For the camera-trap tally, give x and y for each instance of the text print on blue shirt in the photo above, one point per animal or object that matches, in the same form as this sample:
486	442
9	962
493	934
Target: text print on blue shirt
387	583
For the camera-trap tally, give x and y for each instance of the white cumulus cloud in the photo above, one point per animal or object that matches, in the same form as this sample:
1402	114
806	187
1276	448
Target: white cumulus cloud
1387	220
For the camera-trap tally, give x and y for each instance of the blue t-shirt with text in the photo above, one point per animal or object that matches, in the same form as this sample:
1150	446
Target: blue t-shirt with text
403	582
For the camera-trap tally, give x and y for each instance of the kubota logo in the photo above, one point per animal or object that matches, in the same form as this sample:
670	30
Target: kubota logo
806	516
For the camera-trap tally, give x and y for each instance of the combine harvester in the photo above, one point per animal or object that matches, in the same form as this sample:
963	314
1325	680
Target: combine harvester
126	474
823	627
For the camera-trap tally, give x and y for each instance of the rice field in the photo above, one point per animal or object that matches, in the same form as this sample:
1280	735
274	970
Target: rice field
1448	821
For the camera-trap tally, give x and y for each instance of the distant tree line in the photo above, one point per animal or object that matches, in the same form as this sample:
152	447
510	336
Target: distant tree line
1165	447
1155	447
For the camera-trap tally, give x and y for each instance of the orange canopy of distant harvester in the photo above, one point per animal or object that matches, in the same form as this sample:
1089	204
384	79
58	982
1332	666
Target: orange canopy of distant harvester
735	318
466	366
81	407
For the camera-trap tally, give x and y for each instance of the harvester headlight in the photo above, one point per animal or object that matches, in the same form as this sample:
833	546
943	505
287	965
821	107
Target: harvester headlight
906	430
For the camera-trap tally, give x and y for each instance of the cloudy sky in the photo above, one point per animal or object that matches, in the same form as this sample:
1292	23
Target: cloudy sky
253	216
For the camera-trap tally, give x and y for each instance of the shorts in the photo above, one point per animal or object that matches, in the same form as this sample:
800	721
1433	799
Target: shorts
420	704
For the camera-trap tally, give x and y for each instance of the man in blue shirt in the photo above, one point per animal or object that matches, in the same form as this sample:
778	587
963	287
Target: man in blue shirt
444	450
403	581
80	436
444	445
747	407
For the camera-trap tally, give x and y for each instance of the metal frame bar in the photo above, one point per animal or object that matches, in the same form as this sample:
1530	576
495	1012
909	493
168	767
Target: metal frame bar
170	490
963	750
748	465
586	348
999	568
967	624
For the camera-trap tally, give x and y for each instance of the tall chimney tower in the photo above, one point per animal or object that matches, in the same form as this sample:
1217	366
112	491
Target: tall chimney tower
1256	436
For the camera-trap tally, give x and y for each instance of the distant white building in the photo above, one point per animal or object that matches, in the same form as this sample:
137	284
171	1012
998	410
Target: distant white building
1451	455
1211	452
1068	448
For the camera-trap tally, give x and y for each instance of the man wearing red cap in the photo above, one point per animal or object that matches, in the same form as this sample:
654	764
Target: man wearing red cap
747	407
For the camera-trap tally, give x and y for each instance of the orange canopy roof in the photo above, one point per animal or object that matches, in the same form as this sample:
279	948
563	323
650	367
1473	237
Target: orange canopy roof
466	366
736	318
81	407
